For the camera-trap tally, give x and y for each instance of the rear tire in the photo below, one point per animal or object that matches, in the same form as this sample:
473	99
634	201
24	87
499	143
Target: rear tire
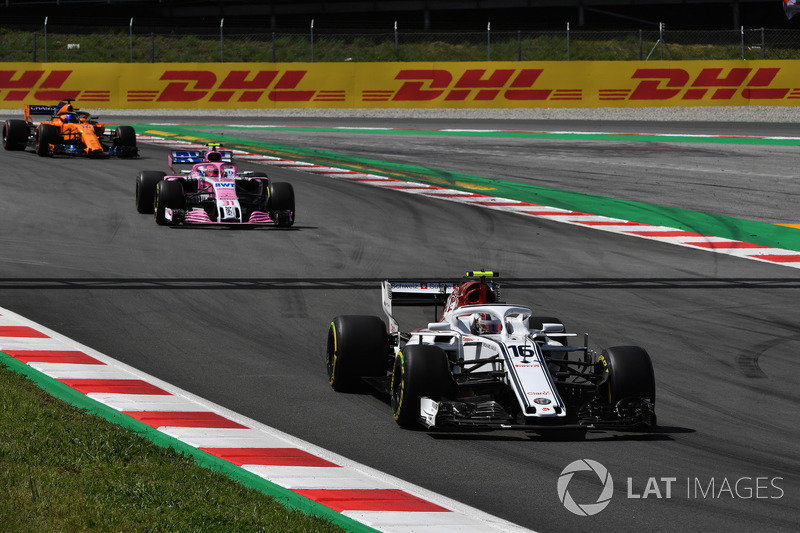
146	183
48	134
358	347
15	134
419	370
281	204
169	194
628	374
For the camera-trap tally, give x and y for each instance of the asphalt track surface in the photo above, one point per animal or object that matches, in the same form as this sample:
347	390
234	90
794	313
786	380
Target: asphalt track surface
240	317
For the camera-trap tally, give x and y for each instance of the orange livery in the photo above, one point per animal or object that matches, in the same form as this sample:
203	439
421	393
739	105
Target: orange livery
67	130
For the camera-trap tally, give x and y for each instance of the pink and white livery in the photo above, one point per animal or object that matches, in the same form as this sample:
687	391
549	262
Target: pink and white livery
213	191
487	364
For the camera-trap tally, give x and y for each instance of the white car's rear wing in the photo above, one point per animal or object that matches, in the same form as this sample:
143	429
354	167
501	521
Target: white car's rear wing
416	294
412	293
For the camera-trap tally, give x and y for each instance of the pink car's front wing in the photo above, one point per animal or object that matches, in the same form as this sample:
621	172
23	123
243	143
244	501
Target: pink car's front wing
199	216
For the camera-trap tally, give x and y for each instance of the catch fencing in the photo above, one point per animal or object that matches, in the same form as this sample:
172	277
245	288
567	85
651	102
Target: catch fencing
53	42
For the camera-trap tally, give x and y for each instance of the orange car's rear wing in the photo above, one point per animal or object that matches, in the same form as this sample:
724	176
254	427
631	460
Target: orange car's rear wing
49	110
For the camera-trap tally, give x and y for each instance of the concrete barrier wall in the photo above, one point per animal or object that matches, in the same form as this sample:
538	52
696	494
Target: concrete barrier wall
575	84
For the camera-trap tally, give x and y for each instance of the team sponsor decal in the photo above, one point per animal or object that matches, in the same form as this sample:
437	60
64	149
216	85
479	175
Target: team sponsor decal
541	401
392	85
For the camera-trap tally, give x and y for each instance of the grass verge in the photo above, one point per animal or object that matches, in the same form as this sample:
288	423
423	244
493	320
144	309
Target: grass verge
62	469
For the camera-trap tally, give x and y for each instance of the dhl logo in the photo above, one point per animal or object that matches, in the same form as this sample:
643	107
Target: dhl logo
714	83
197	85
516	85
370	84
181	86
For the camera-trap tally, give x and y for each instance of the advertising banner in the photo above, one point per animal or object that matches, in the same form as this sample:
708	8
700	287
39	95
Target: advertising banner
501	84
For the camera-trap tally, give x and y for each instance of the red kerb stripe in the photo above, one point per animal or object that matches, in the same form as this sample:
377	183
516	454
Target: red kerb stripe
370	500
115	386
778	258
726	245
21	331
53	356
187	419
269	456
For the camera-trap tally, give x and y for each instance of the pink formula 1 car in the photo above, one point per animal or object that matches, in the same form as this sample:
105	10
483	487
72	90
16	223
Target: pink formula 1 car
213	192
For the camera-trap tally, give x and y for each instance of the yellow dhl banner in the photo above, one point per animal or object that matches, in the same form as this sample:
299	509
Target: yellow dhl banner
502	84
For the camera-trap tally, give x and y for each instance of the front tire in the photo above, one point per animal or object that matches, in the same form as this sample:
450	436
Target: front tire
628	373
169	195
281	204
15	134
357	347
126	138
146	183
48	134
419	370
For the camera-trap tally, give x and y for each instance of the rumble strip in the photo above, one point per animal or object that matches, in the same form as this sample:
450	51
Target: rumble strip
295	472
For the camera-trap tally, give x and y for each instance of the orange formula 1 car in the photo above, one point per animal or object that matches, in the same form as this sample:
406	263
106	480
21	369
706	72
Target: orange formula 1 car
68	131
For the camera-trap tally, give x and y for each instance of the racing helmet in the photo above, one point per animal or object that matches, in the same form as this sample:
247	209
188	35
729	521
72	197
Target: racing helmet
212	172
478	293
69	118
483	324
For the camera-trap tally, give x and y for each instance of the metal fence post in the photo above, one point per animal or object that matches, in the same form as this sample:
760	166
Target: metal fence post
312	40
131	38
273	47
45	39
489	40
221	42
661	38
640	46
568	50
763	45
152	47
396	43
34	46
519	45
742	34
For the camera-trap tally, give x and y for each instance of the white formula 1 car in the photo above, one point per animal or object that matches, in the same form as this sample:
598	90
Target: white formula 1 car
487	364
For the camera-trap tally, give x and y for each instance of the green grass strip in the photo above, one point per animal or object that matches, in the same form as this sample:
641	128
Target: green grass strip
285	497
511	134
755	232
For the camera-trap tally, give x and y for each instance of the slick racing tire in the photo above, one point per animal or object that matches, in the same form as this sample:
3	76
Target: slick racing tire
126	136
357	347
281	204
627	373
169	194
48	134
15	134
146	183
419	370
